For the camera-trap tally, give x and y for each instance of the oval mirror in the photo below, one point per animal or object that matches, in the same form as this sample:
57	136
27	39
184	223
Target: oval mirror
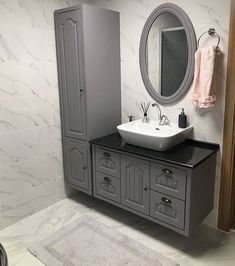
167	48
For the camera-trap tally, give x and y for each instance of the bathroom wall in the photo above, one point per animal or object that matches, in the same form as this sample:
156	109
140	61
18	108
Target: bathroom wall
208	124
31	176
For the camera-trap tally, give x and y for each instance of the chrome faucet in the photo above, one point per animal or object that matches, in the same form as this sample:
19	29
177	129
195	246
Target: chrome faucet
159	110
163	119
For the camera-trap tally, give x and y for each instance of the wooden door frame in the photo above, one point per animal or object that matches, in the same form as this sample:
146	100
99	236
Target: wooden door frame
226	213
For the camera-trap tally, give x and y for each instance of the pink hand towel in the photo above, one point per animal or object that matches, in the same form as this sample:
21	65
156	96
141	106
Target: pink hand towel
204	84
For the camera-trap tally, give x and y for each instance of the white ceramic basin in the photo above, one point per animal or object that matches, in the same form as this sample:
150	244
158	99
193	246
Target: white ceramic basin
152	136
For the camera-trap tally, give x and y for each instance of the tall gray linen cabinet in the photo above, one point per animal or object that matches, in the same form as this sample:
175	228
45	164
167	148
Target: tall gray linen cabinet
88	59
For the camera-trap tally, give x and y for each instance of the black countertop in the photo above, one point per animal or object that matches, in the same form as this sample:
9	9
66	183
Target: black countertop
189	153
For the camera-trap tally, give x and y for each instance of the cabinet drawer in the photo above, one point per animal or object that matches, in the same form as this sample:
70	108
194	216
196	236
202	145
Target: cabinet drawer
168	180
108	186
108	162
167	209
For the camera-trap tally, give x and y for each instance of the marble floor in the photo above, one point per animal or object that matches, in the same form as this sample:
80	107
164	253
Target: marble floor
206	248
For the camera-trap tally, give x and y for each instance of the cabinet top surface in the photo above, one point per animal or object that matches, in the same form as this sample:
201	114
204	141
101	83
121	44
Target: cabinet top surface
188	154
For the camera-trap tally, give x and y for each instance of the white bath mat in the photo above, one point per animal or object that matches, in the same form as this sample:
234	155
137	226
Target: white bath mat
88	242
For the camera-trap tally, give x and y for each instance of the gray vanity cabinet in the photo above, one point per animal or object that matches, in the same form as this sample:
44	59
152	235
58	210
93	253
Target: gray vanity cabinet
88	59
177	193
135	183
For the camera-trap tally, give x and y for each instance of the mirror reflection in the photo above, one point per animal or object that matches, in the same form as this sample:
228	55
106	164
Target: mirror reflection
166	54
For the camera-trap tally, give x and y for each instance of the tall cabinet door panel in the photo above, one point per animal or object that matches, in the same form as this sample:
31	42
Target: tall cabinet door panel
135	183
76	167
71	78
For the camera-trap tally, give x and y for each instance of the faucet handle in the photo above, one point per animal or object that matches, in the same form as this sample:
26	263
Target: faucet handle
164	120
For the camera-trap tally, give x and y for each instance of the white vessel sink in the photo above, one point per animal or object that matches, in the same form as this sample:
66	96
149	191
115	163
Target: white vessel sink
153	136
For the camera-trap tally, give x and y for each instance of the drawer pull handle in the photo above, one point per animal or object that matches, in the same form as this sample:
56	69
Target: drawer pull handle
107	179
165	200
167	171
107	155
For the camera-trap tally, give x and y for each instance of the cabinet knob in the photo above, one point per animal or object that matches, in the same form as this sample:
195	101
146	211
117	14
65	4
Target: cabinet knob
81	90
166	171
84	167
146	188
165	200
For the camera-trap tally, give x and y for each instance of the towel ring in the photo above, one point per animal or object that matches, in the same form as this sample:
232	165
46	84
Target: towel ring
210	32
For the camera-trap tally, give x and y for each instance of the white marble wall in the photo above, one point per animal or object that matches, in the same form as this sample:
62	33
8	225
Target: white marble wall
31	176
208	124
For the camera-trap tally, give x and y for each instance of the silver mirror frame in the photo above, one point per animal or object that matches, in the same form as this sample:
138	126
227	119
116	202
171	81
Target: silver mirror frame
192	46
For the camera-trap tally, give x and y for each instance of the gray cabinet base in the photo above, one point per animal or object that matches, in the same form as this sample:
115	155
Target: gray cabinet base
182	216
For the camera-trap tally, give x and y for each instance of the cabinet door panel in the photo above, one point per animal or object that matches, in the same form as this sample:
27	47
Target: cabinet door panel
70	67
135	184
76	170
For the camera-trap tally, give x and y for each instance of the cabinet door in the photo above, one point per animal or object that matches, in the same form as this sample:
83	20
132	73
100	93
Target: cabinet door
135	183
70	69
76	168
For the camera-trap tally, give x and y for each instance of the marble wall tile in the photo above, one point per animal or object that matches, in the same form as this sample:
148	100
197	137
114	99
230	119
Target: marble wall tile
24	112
53	101
29	174
26	44
27	79
24	204
24	144
196	9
